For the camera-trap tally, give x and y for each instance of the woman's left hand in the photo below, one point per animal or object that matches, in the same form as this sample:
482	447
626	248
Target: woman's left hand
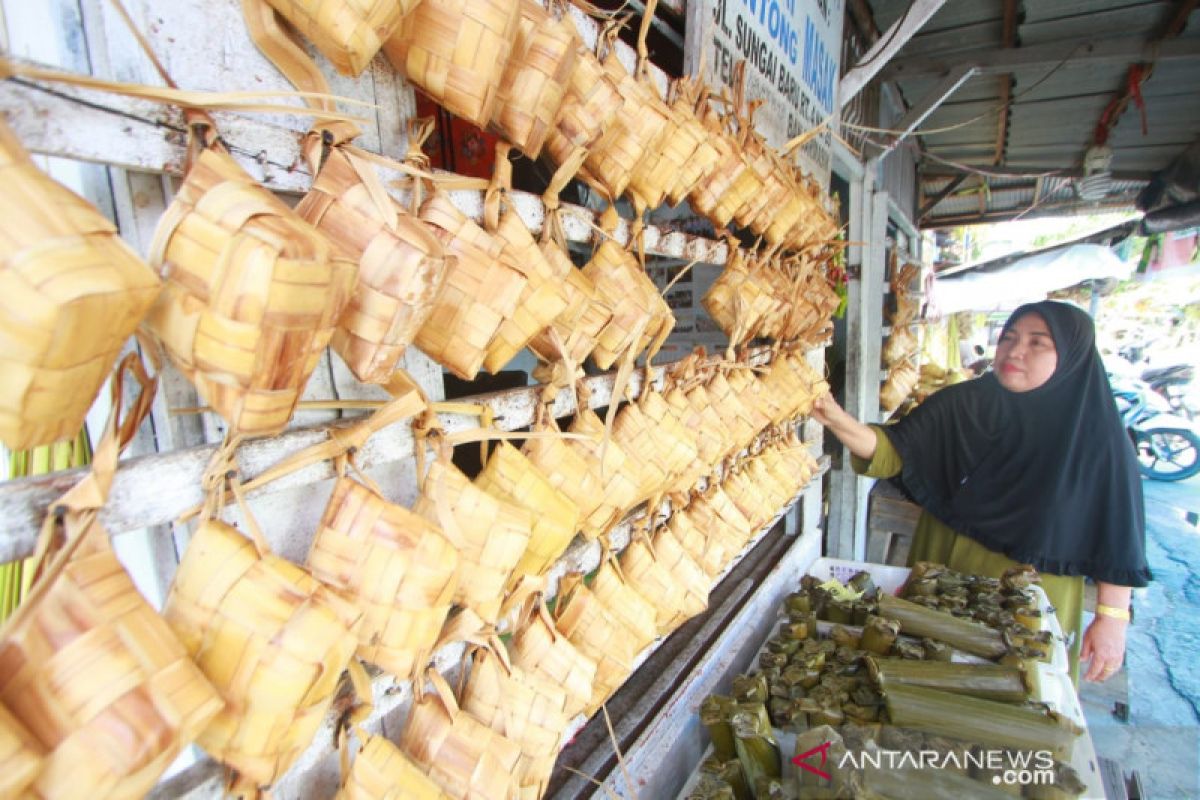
1103	647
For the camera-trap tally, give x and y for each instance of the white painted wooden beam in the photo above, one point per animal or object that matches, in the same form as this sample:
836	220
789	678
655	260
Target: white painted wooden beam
887	46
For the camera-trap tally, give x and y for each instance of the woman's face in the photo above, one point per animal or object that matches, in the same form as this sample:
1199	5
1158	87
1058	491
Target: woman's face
1025	356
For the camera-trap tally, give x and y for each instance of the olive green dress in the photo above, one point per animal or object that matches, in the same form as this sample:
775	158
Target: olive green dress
934	541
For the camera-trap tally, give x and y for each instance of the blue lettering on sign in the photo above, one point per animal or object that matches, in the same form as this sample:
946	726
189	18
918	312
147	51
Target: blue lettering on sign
778	23
819	69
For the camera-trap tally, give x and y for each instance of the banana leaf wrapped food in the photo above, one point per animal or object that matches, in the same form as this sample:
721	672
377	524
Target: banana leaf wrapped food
715	712
731	773
710	787
754	742
970	637
988	681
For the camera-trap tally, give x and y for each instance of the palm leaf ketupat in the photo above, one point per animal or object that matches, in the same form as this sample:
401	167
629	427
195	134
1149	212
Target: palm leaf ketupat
654	580
539	648
672	555
581	617
555	517
348	32
381	771
567	469
490	533
252	295
271	638
624	286
589	106
728	405
545	51
468	760
711	552
401	264
20	755
635	613
456	52
482	288
398	568
71	293
616	474
678	442
646	451
577	329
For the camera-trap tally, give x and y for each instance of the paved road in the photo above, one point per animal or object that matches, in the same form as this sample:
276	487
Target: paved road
1161	679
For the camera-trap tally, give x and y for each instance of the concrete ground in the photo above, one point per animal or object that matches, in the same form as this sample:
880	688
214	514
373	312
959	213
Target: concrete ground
1160	683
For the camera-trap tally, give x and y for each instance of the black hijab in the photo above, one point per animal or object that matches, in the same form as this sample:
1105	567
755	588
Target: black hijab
1047	477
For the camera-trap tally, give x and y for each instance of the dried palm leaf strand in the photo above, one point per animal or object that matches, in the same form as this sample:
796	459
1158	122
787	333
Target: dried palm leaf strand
539	71
71	294
463	756
382	771
401	264
252	294
399	569
491	534
456	52
590	626
20	755
482	288
555	517
539	648
348	32
271	638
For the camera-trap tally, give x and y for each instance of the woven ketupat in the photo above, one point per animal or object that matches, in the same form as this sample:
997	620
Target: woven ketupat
490	533
704	426
401	264
711	552
738	299
588	108
661	165
456	51
98	678
20	755
252	294
348	32
394	565
381	771
525	708
568	471
539	70
745	383
768	195
713	508
702	154
679	443
749	498
540	649
672	555
555	517
624	287
646	449
271	638
466	758
707	196
637	129
635	613
703	517
481	291
579	325
725	400
71	293
655	582
590	626
617	475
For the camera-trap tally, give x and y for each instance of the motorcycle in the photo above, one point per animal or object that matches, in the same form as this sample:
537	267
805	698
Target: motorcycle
1173	383
1167	445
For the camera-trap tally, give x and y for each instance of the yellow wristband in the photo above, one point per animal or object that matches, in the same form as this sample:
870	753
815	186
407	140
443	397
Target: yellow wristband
1112	611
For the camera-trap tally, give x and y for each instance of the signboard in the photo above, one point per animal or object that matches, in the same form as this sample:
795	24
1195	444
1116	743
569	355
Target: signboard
792	50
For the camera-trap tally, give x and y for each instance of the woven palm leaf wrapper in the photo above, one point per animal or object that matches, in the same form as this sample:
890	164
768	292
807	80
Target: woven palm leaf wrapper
71	293
544	55
382	771
555	517
901	380
704	518
567	469
252	294
715	507
616	474
635	613
581	322
482	288
738	300
703	428
676	559
540	649
710	552
748	497
581	617
87	666
490	533
544	296
728	405
401	264
589	107
794	203
456	52
466	758
20	755
679	442
524	707
348	32
704	151
646	449
624	287
654	581
745	382
775	492
712	195
770	194
394	565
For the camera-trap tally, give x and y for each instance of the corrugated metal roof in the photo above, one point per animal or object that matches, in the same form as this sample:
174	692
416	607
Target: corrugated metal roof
1054	112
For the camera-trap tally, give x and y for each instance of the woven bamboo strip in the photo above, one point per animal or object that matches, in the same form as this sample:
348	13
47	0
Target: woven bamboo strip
468	760
271	638
348	32
101	682
535	81
456	52
482	288
555	517
252	296
491	535
401	265
394	565
381	771
539	648
20	755
71	294
590	626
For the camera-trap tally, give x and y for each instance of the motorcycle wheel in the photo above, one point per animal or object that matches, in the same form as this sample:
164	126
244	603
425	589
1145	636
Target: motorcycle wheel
1168	455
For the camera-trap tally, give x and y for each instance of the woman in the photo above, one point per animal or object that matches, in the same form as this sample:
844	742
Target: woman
1028	464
